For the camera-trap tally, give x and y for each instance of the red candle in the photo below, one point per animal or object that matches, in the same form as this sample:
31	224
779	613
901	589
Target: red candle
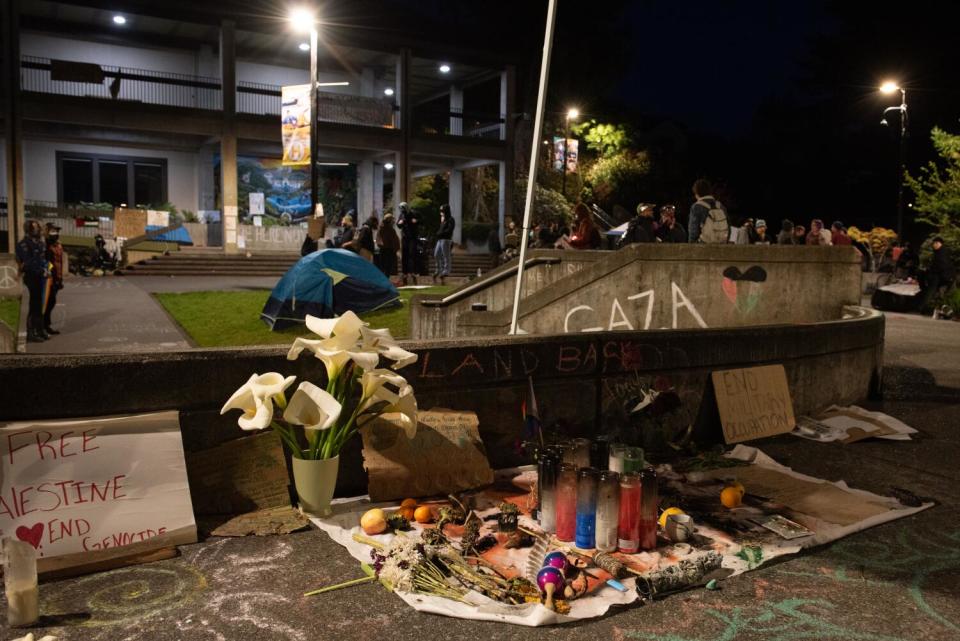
628	525
566	502
648	509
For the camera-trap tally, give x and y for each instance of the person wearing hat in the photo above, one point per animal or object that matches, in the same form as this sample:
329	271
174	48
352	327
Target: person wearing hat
55	280
33	266
760	233
641	229
670	231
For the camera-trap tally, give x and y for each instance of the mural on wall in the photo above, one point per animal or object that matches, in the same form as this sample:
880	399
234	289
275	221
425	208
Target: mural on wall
743	289
286	190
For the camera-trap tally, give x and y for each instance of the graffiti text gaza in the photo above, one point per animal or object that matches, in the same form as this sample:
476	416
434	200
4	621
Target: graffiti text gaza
618	319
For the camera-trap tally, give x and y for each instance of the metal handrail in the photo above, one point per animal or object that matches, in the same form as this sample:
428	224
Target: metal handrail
497	277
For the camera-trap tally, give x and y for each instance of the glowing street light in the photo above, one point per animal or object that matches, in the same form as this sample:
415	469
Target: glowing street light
889	88
303	20
573	114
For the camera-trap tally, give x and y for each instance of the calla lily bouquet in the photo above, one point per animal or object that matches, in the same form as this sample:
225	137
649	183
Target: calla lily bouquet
357	389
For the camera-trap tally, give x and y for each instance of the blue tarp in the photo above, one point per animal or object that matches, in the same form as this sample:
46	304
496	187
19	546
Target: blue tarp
327	283
180	235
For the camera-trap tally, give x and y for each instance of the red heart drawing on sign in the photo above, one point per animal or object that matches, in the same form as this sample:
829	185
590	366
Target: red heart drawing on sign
31	535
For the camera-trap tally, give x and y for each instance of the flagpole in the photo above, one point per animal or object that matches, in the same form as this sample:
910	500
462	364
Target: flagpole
534	151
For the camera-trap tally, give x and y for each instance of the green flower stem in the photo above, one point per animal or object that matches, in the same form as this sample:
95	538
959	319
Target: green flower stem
345	584
287	438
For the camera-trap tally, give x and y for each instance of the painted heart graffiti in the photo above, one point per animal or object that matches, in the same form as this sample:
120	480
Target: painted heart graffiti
32	535
744	298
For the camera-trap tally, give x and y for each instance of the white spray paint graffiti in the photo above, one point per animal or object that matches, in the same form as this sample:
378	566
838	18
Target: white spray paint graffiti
619	320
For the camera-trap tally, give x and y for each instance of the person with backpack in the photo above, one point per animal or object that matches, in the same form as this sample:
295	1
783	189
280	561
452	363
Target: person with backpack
708	217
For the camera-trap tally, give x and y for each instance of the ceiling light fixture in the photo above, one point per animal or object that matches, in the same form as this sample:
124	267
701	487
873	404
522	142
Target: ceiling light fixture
388	91
444	68
118	19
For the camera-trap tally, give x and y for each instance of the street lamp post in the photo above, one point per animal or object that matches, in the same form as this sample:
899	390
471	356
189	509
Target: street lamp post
305	20
572	114
891	87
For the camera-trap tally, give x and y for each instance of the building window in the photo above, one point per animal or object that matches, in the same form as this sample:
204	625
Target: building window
118	180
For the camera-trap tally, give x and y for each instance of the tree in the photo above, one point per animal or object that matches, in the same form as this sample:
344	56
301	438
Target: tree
620	179
937	190
606	139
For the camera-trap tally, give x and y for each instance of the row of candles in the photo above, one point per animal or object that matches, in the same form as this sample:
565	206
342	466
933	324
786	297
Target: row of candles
604	509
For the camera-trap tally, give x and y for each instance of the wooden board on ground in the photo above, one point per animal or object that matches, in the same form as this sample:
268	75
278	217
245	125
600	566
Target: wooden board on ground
87	492
239	476
446	455
275	520
753	402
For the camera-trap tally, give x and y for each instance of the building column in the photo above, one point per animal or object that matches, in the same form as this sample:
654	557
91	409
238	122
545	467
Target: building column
456	107
367	82
378	188
505	196
13	132
401	182
228	138
364	191
456	203
507	103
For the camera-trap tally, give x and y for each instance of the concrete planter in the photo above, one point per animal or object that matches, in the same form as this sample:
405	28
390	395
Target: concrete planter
315	481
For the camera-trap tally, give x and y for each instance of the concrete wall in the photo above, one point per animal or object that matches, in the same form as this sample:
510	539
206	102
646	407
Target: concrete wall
582	380
647	287
495	290
40	169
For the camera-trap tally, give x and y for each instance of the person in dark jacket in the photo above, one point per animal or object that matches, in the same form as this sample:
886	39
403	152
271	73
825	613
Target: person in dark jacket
409	226
442	253
494	247
365	241
670	231
785	237
55	281
941	273
33	266
389	244
641	228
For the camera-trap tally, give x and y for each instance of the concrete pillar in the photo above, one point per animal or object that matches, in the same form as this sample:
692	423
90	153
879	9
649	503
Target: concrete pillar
456	203
401	183
13	132
364	190
456	107
505	196
228	138
367	82
378	188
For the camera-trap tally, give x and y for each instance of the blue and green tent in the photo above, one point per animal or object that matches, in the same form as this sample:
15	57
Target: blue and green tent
325	284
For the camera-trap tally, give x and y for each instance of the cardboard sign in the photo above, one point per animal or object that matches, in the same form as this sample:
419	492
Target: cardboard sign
158	218
239	476
317	228
129	223
446	455
87	490
753	402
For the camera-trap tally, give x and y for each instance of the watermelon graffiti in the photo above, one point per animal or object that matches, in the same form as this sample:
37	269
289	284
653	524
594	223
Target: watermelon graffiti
743	289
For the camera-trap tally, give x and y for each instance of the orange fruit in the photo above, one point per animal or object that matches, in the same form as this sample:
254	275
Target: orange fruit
731	497
739	486
407	512
423	514
411	503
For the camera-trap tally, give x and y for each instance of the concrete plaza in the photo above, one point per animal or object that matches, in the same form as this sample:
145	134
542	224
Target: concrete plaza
897	581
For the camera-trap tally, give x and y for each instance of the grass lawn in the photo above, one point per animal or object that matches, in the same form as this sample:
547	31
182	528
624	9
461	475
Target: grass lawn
10	312
225	319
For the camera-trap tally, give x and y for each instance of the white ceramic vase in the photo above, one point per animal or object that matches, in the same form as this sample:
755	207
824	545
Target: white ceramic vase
315	482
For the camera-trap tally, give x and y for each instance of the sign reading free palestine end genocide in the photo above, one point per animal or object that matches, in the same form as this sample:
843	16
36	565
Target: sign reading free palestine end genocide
753	402
89	490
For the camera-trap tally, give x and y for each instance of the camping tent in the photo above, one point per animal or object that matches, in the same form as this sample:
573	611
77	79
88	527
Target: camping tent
327	283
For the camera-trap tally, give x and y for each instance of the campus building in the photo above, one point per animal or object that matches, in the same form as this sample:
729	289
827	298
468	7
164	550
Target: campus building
143	103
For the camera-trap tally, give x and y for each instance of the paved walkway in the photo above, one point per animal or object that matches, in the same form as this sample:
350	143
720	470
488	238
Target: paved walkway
118	314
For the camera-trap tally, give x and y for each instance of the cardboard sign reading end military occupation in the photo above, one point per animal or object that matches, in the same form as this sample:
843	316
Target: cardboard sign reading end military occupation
446	455
87	491
753	402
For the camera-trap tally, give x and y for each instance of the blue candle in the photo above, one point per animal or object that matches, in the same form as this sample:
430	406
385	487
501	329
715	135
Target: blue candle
586	508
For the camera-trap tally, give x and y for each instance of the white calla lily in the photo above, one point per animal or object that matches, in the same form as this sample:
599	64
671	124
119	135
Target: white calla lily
312	407
373	380
255	399
405	409
347	326
383	343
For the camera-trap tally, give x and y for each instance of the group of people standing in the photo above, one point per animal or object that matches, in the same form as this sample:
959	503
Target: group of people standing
380	243
40	264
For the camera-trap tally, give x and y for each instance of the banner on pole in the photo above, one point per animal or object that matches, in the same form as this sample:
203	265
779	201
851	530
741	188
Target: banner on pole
573	146
295	122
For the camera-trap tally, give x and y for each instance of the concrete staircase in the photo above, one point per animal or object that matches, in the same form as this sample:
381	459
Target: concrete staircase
211	261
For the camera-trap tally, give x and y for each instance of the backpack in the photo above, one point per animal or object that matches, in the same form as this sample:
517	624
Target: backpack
715	228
